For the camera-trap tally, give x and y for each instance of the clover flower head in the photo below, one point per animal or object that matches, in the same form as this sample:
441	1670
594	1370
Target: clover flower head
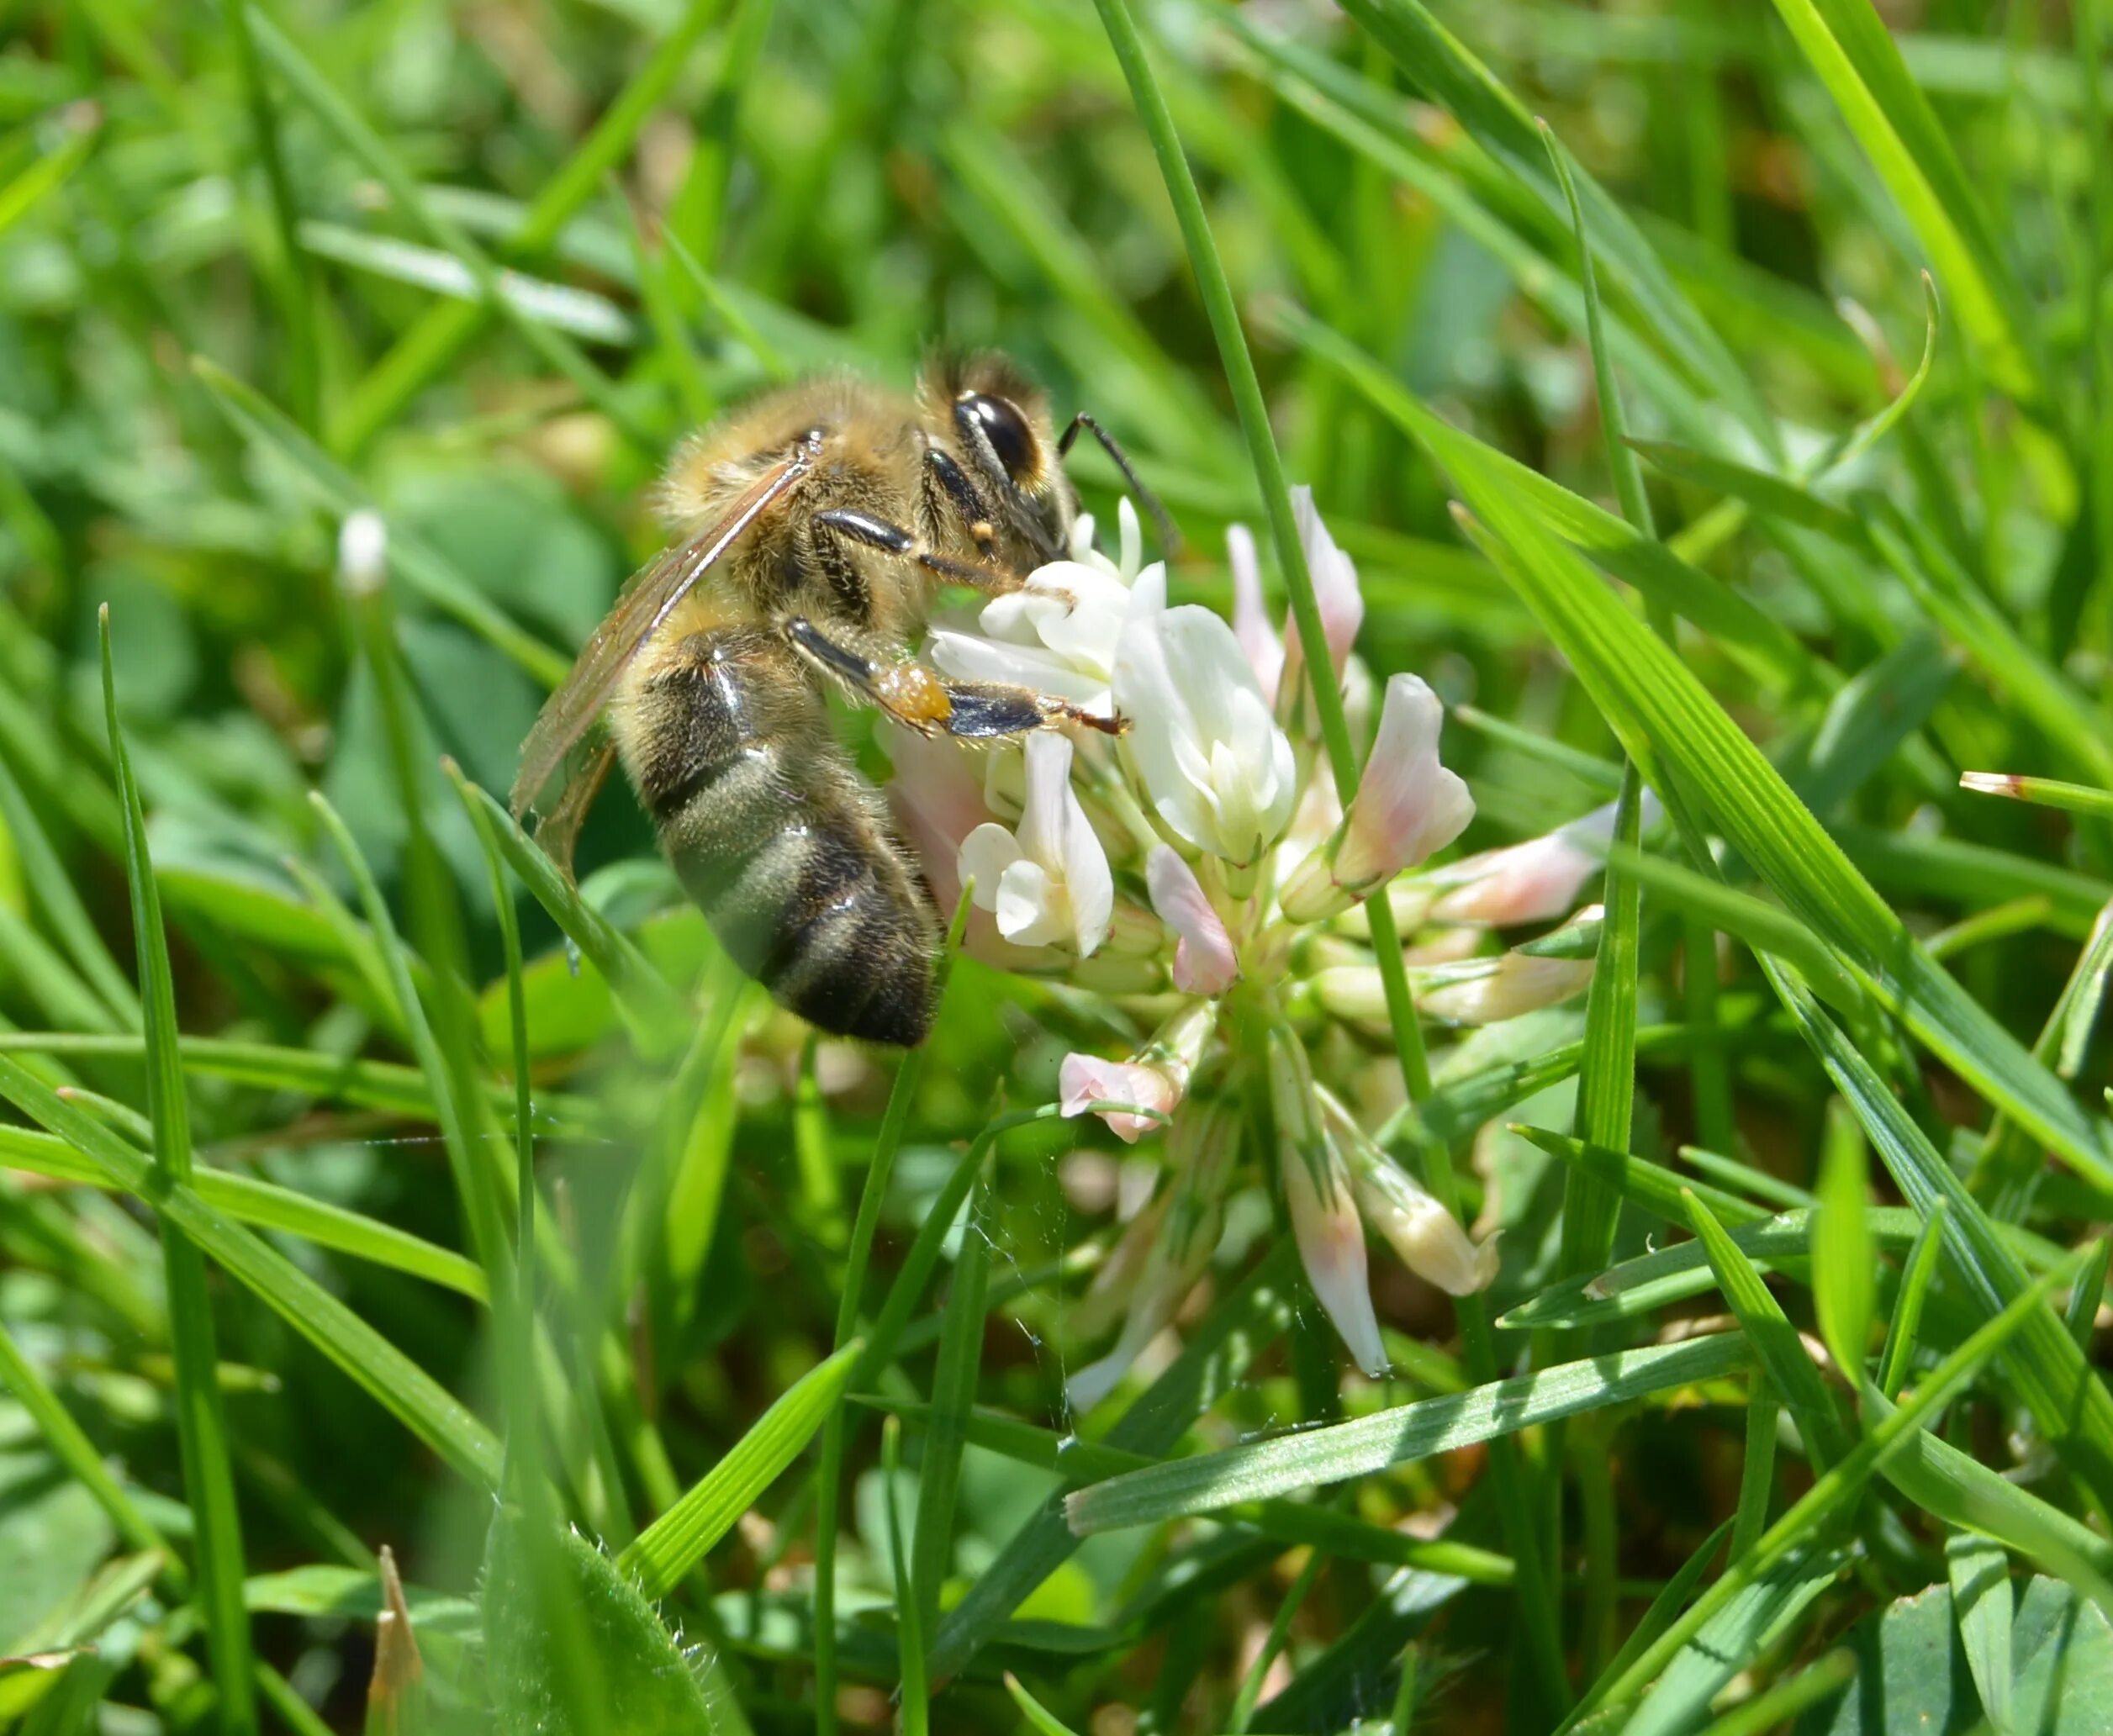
1201	875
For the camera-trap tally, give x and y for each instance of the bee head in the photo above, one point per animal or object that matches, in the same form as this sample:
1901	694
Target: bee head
1000	421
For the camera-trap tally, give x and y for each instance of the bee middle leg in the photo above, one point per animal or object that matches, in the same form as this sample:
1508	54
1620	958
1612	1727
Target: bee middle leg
933	704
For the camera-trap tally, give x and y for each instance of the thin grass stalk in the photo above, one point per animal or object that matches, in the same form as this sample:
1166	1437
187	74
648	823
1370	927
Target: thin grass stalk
209	1474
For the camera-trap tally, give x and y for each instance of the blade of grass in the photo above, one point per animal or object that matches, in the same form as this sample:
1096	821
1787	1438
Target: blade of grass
351	129
339	492
1842	1279
887	1142
1902	1330
661	1555
1776	1346
2049	791
287	274
1217	1353
914	1694
954	1390
2066	1398
208	1476
1257	1469
247	1199
1860	65
1661	712
1776	1708
52	887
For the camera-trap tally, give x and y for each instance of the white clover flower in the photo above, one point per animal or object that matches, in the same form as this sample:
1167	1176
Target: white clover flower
1059	632
1219	771
1155	1078
1048	883
1217	807
1407	806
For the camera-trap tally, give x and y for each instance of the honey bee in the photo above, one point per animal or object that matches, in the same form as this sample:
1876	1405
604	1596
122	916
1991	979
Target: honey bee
812	529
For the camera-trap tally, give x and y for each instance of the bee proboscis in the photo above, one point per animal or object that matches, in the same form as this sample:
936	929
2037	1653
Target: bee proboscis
812	528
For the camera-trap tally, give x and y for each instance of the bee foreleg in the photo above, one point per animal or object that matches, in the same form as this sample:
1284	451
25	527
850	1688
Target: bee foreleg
864	527
932	704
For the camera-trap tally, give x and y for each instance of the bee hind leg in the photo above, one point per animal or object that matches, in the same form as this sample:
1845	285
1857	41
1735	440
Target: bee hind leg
932	704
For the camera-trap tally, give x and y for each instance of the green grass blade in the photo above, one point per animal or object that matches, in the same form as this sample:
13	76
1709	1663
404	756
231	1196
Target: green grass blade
1776	1345
1039	1717
664	1554
2048	792
53	887
2067	1399
1828	1494
954	1390
351	129
1776	1708
1258	1469
914	1694
1217	1352
208	1476
1915	1276
335	489
1859	63
1843	1280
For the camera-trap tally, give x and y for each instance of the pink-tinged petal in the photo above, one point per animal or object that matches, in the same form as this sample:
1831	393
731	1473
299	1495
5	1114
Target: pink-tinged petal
1084	1080
1204	962
1335	587
1258	640
1407	805
1533	882
1331	1246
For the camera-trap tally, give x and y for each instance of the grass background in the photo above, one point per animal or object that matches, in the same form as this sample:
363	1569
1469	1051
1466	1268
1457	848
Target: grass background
477	266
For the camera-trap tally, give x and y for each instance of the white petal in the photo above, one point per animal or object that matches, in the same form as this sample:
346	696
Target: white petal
1089	880
1129	541
1429	1238
985	856
1042	820
1204	962
1032	910
1520	983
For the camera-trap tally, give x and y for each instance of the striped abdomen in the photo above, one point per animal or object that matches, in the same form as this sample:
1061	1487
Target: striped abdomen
785	848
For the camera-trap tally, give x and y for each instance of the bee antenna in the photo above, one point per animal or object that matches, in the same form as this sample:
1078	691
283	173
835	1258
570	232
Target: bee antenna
1162	521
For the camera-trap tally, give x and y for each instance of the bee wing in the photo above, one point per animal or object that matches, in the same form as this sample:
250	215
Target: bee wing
570	712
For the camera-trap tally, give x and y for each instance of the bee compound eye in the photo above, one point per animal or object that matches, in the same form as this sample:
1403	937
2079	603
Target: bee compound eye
1007	431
